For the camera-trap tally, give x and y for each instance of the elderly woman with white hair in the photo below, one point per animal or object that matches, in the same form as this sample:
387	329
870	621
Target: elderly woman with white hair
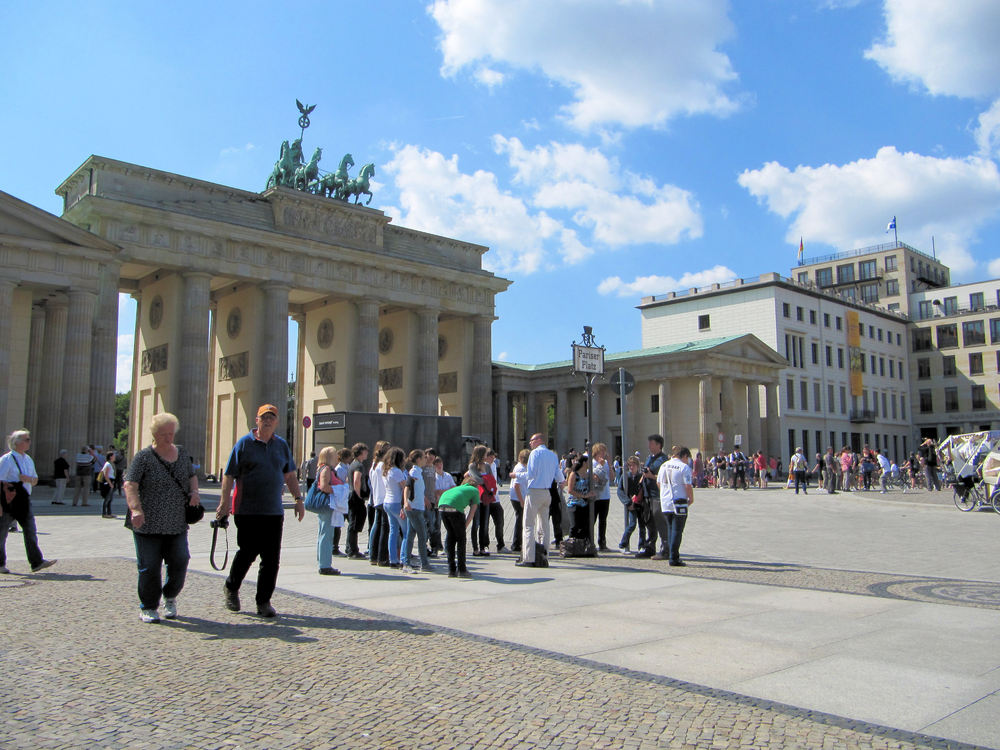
18	475
159	482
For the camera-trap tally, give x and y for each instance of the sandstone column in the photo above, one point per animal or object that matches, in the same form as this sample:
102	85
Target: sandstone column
531	414
562	421
195	356
76	371
46	443
272	350
104	358
300	448
753	418
505	445
365	373
427	363
36	343
728	425
7	287
773	440
135	436
706	423
481	418
664	415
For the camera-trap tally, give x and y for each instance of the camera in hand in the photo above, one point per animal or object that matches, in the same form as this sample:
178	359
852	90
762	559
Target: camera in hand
220	523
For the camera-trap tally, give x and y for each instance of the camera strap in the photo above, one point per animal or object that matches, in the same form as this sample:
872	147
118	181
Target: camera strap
215	538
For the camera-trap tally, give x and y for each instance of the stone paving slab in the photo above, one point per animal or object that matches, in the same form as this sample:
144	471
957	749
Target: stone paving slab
80	670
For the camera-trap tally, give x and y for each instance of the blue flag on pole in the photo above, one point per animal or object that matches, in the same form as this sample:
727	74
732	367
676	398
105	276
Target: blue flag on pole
892	225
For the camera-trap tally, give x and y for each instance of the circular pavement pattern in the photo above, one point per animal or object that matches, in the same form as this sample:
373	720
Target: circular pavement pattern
969	593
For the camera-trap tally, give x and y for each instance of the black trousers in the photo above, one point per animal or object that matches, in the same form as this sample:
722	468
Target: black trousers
518	524
356	515
581	519
454	527
487	511
257	536
675	525
601	508
378	551
555	513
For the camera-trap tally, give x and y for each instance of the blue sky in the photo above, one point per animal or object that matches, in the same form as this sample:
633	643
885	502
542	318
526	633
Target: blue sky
603	150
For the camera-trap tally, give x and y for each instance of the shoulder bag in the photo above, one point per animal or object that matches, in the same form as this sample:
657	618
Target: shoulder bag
192	513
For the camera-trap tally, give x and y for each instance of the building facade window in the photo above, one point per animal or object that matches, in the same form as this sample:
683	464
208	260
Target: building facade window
829	356
979	397
975	363
790	393
812	317
890	263
814	351
926	401
995	330
704	322
803	277
786	310
923	368
824	277
804	395
840	358
951	399
925	309
947	336
950	305
839	322
867	269
973	333
869	293
977	301
654	403
799	314
948	367
922	341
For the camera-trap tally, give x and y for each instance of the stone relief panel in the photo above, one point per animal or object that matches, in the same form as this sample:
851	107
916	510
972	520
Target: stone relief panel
448	382
234	323
234	366
390	379
326	373
154	360
442	347
385	339
324	334
156	312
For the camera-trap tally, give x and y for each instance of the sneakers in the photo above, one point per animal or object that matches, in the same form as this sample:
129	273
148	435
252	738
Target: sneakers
625	550
453	574
149	615
231	599
266	610
503	551
329	572
43	565
169	608
4	570
411	569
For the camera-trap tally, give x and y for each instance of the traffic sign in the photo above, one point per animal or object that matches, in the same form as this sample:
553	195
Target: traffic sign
622	377
306	422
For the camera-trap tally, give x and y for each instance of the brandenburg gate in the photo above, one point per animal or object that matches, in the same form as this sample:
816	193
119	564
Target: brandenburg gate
389	319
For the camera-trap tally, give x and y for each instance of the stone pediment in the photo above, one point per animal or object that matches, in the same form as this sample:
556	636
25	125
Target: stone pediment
27	225
750	348
326	220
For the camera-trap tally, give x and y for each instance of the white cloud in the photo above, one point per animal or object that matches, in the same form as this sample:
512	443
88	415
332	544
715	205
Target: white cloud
436	197
626	63
643	286
988	132
994	268
618	207
947	47
848	206
502	357
234	150
489	77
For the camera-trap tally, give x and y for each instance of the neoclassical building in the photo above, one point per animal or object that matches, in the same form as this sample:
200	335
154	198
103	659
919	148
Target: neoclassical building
390	319
703	394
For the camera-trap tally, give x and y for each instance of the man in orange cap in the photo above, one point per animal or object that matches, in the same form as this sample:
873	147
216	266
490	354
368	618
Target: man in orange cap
261	465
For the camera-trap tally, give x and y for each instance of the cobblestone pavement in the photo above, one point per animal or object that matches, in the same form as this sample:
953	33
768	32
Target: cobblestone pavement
80	670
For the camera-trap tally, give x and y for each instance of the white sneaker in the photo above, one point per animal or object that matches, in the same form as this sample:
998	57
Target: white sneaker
169	608
149	615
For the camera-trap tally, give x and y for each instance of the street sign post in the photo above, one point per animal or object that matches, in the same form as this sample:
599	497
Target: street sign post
623	382
588	360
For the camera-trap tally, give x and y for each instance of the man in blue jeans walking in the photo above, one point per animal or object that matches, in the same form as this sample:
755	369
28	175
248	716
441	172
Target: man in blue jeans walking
261	465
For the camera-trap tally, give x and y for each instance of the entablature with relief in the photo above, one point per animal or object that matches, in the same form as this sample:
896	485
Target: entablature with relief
328	221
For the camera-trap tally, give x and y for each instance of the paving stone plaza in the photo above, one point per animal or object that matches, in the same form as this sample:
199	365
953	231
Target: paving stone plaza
813	621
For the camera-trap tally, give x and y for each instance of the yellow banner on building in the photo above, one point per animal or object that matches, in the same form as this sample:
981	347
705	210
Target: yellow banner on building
855	357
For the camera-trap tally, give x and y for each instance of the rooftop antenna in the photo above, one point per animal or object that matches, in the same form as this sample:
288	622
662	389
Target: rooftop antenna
933	248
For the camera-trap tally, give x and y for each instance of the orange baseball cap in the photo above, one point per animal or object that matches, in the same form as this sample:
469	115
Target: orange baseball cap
267	409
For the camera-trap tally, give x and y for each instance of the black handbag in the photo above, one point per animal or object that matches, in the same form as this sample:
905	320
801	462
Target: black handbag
15	500
192	513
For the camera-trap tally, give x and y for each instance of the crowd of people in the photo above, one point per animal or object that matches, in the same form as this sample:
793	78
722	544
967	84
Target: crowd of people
403	503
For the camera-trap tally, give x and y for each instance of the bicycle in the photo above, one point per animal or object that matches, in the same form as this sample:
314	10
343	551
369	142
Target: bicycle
968	494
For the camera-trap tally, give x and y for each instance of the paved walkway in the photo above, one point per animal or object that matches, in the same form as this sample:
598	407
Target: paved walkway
845	621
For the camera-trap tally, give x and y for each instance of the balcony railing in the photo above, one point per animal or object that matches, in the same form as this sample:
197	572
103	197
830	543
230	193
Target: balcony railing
865	251
863	415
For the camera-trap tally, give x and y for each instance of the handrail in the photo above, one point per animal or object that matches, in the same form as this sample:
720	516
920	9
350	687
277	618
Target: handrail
866	251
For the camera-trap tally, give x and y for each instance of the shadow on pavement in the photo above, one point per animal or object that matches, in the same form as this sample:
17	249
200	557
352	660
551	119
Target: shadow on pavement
290	628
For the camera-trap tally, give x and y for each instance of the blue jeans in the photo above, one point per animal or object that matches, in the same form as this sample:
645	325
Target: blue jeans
151	551
631	521
416	526
675	525
397	529
324	542
30	533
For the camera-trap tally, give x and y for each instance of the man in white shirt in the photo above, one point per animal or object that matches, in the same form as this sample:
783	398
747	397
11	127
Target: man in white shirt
886	467
543	469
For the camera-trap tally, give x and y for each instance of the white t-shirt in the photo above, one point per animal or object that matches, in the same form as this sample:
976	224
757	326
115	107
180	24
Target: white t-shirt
109	472
394	481
444	481
9	468
673	478
883	463
377	482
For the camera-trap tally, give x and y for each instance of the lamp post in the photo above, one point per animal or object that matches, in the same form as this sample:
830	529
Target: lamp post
588	360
